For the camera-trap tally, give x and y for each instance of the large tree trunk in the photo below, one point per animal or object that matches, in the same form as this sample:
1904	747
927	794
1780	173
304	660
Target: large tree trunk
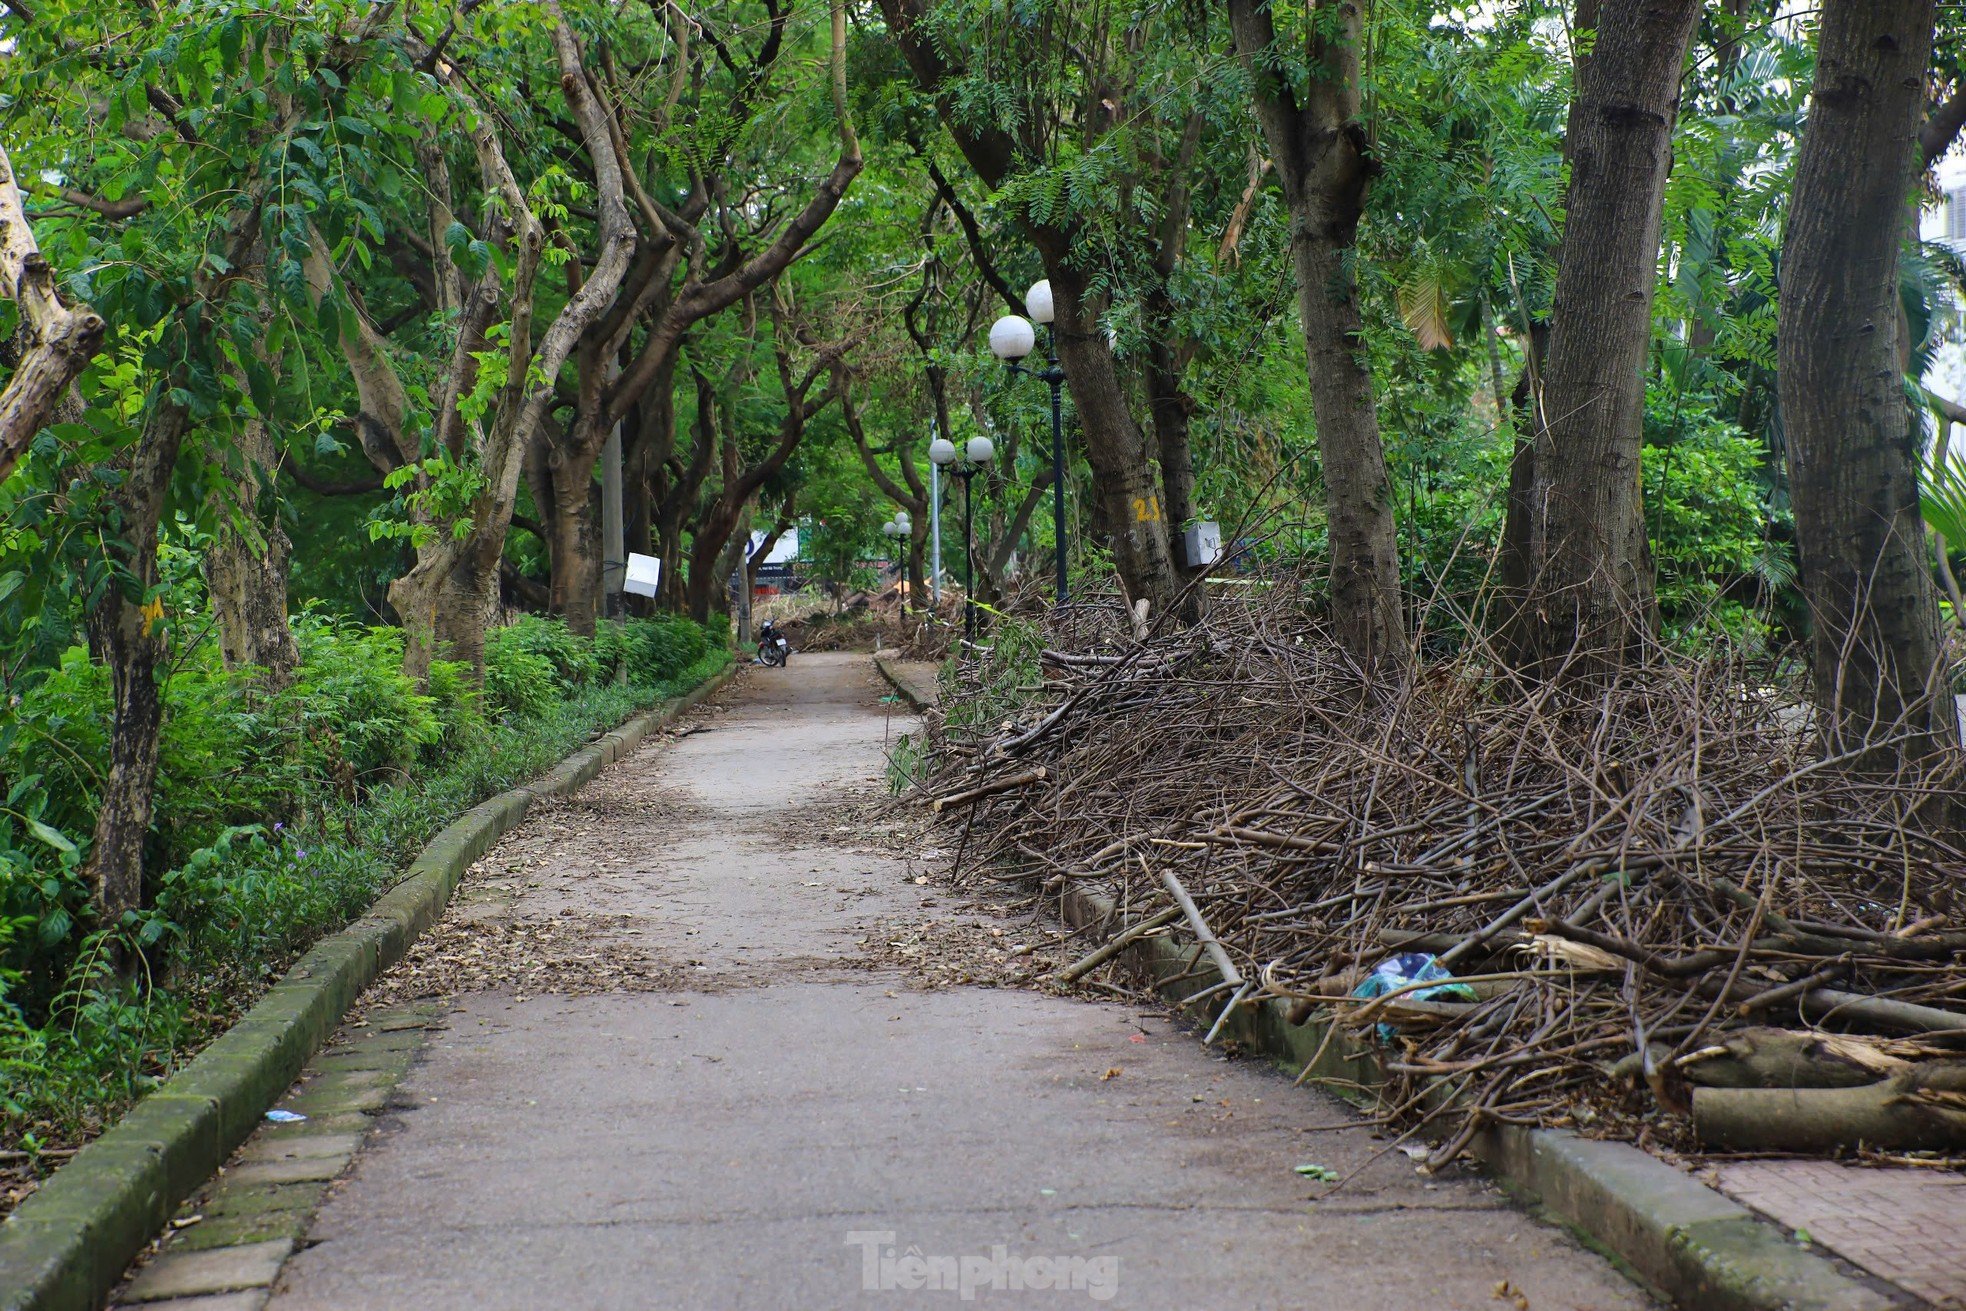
1122	479
708	576
127	634
1589	603
1318	146
1875	649
246	571
575	545
1512	559
917	565
1168	403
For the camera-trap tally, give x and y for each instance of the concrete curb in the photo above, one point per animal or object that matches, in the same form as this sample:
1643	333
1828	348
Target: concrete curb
916	701
66	1247
1688	1242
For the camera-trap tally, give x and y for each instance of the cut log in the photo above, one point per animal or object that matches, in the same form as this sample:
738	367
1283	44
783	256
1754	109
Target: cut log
1902	1016
1791	1058
1920	1109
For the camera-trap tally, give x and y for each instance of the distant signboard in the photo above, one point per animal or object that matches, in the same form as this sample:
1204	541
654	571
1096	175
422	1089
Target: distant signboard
784	551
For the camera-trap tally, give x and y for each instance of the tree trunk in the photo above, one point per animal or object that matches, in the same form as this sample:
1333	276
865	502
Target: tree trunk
917	567
1589	604
57	340
1168	402
246	572
127	634
1512	562
1170	407
1319	148
575	548
706	578
1876	654
1122	478
1365	592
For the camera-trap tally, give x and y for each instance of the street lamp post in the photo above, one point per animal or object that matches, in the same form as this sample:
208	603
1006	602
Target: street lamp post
899	528
1011	339
978	453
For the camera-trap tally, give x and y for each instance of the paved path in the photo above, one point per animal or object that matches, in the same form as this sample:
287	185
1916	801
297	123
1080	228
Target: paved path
740	1109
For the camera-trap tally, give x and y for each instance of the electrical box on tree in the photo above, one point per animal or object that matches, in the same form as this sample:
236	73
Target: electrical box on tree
1201	544
644	576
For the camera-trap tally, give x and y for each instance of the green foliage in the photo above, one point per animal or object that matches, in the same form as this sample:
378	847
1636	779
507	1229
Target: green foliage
657	650
287	816
1005	681
358	716
519	682
907	761
1706	512
570	660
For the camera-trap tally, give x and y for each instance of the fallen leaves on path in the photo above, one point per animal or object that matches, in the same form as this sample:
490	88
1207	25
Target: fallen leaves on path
568	954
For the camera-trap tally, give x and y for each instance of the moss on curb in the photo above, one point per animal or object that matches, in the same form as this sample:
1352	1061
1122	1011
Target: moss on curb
65	1247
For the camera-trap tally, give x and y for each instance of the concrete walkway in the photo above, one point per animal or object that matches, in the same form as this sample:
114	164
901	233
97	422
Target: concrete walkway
705	1093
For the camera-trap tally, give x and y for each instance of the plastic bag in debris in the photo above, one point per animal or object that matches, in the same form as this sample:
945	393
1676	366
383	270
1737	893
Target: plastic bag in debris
1412	967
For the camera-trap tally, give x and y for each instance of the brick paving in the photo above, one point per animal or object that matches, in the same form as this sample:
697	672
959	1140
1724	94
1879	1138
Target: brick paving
1903	1224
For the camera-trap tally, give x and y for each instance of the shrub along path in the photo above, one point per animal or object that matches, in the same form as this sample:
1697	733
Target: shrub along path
712	1040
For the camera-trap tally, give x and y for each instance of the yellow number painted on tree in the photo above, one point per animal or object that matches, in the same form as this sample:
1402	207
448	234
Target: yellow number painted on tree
1146	509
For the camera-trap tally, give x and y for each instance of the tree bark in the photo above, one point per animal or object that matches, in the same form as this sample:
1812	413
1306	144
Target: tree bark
127	633
1122	478
1168	404
1876	655
452	590
58	340
246	566
1589	604
1319	148
246	570
574	546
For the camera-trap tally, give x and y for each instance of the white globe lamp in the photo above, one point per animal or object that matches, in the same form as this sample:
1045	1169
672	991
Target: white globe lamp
1012	337
1038	301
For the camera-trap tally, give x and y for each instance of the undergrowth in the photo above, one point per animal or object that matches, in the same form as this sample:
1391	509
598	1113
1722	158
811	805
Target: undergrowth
279	819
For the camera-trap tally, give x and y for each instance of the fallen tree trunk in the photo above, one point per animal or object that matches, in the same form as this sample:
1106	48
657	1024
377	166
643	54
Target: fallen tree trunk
1790	1058
1921	1109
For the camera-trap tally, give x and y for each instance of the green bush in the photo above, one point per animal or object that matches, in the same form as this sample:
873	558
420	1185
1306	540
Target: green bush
276	822
358	718
519	682
657	650
1707	516
613	639
459	705
572	659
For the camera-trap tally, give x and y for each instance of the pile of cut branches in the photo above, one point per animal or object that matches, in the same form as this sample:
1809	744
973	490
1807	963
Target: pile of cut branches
1665	906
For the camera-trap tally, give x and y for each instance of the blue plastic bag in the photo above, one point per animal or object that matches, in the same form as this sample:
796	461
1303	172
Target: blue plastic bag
1412	967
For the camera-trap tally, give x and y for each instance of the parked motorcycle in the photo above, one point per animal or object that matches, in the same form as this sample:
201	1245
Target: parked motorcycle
773	649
